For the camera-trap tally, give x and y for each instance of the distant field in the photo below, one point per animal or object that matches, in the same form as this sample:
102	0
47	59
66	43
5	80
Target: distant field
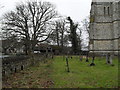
53	74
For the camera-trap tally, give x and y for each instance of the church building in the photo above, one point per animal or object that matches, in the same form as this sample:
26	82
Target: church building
105	27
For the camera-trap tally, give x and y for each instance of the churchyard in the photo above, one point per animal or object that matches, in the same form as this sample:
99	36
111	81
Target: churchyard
53	74
44	49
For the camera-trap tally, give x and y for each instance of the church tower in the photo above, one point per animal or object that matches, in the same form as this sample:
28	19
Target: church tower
104	26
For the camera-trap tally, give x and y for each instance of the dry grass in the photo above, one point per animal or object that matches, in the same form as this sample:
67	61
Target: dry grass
32	77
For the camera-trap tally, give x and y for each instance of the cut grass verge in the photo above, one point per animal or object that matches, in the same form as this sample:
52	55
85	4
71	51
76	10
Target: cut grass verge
81	75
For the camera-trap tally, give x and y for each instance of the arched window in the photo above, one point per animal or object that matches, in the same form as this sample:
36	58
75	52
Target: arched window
104	10
108	10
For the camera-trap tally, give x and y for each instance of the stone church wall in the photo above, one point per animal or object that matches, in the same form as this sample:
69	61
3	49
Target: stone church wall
116	44
103	31
103	45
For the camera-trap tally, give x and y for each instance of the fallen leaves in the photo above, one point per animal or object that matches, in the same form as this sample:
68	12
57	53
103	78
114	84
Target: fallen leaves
33	77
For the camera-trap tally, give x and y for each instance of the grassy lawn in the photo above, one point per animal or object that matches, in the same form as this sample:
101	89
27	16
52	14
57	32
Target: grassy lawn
32	77
53	74
81	75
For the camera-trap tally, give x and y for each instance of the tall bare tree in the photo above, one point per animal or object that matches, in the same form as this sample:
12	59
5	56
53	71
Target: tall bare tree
30	21
85	23
85	27
59	35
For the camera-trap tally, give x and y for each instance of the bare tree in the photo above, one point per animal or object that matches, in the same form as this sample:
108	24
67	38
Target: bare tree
85	27
85	24
59	35
62	30
80	30
9	44
31	22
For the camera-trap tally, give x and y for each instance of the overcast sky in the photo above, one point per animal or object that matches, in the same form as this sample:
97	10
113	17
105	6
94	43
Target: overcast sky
76	9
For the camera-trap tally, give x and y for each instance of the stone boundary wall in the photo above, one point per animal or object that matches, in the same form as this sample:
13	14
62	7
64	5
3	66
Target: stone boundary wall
15	64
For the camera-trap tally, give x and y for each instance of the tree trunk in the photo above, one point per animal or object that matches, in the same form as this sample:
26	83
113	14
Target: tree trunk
62	39
57	34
